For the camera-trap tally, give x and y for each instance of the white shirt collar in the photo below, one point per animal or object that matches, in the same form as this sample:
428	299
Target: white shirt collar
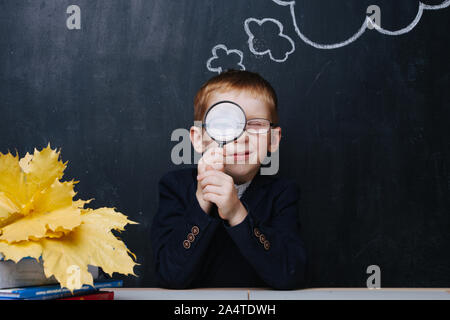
241	188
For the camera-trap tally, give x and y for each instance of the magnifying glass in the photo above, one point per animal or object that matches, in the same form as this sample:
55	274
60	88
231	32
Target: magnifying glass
225	122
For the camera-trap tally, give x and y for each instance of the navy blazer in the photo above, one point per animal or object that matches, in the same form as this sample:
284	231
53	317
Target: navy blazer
194	249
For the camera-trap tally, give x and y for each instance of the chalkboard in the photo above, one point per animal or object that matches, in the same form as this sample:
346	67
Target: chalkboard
364	103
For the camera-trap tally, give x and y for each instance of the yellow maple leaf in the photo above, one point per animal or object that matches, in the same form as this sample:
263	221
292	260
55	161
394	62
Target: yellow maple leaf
12	185
19	250
21	180
7	207
53	212
92	243
40	225
40	219
43	167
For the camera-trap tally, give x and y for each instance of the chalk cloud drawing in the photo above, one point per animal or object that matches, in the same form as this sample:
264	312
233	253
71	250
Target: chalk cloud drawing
218	61
365	25
281	35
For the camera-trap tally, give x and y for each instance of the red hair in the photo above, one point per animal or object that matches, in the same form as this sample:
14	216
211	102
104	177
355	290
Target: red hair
240	81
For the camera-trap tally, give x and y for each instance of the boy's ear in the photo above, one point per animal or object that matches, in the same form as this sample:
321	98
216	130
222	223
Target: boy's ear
196	135
275	137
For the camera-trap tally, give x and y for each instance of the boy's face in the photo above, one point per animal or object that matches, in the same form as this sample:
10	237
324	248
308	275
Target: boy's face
244	156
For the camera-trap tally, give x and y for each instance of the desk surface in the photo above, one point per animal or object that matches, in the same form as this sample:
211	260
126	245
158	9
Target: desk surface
266	294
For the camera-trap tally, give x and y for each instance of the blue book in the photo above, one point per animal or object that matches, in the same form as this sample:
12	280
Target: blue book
55	291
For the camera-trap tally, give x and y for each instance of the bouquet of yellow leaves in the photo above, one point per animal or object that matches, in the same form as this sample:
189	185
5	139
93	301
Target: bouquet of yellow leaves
40	219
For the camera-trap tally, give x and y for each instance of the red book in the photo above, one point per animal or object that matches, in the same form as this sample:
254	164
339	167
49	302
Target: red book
100	295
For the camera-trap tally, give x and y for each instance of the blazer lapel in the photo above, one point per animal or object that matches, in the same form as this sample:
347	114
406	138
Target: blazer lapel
255	191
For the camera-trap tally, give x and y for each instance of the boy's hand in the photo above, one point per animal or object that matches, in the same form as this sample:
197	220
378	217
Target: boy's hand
218	187
212	159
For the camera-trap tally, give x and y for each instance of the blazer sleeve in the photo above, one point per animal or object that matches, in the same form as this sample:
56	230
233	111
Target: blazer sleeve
180	233
274	247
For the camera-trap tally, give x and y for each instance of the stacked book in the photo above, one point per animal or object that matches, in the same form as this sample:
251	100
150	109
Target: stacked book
26	280
56	292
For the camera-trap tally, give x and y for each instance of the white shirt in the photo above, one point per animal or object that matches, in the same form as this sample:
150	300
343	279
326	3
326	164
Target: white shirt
241	188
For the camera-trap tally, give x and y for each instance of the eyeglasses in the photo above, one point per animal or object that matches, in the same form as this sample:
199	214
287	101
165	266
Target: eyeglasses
256	126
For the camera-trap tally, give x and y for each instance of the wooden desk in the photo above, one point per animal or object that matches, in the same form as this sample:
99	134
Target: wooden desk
194	294
266	294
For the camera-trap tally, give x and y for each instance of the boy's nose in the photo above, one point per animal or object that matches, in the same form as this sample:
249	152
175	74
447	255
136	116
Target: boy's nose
242	138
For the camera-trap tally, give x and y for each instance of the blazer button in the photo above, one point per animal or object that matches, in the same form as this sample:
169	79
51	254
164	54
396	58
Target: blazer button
195	230
266	245
186	244
257	232
262	238
191	237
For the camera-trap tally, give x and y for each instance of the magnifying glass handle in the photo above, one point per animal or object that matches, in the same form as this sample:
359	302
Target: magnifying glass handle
216	209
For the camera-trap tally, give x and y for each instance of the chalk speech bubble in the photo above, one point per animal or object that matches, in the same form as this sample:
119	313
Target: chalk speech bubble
365	25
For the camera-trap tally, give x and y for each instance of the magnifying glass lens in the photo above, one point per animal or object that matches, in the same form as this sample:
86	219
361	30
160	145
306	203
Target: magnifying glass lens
225	121
224	129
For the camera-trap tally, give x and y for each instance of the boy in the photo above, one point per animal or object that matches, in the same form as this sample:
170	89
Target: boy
223	224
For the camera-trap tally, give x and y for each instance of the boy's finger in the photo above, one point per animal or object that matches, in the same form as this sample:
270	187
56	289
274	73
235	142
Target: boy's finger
216	180
217	150
206	155
216	154
213	180
212	197
214	151
213	189
206	174
217	173
213	155
209	161
212	161
215	166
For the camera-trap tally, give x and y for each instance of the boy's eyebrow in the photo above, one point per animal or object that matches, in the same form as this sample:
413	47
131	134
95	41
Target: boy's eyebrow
255	113
258	117
249	117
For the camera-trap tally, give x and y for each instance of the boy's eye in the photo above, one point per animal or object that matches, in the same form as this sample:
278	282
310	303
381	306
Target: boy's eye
258	126
256	123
